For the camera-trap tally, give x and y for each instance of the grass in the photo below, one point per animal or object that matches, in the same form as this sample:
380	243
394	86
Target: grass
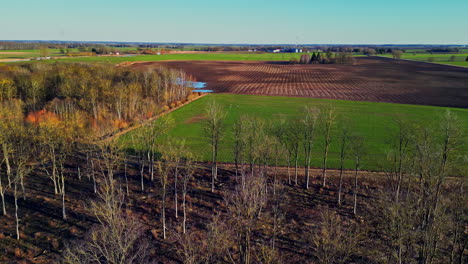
374	121
438	58
197	56
200	56
32	53
218	56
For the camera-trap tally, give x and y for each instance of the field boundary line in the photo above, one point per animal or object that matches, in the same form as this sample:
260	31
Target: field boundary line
427	62
315	171
147	121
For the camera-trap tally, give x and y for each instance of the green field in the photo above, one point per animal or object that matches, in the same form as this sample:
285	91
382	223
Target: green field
438	58
26	54
371	120
200	56
166	57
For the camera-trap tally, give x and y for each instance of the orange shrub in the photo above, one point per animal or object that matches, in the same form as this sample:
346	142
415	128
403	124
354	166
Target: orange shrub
191	97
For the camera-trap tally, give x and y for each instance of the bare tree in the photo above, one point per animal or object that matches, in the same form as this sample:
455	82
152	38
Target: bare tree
117	238
328	120
21	166
189	247
293	136
435	155
309	123
214	130
397	54
399	156
187	175
3	189
357	145
245	205
164	170
151	133
253	138
145	144
458	208
334	242
344	145
399	225
175	151
239	144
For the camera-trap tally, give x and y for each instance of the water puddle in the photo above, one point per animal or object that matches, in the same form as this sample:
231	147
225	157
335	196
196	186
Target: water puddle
198	87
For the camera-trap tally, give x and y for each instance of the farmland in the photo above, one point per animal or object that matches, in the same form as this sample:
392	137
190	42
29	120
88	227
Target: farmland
460	58
208	56
374	121
155	184
196	56
370	79
23	54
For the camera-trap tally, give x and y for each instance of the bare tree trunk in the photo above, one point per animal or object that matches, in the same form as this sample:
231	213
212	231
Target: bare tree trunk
296	172
324	170
341	184
2	193
3	202
355	187
307	170
22	188
15	194
164	211
93	176
142	168
54	172
7	162
185	213
289	169
94	183
176	175
126	178
64	215
214	167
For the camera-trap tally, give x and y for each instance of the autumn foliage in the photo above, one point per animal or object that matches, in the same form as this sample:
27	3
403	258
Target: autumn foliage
42	116
97	98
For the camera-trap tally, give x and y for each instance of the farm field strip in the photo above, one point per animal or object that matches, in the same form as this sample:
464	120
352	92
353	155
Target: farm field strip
370	79
460	58
374	121
214	56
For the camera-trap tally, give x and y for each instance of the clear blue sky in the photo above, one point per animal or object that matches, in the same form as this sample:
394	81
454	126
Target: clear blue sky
238	21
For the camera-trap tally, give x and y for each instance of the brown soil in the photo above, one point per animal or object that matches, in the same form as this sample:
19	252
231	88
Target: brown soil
44	234
370	79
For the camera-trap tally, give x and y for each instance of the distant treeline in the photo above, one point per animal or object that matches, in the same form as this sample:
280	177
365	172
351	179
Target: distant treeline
100	97
325	58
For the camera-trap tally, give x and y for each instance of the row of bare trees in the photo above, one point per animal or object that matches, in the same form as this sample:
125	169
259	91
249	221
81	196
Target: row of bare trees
261	144
420	213
417	202
420	218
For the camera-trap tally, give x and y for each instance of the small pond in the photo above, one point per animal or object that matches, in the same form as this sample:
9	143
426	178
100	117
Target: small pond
197	86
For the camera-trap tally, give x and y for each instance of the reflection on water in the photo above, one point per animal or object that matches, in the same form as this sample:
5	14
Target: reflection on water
197	86
202	91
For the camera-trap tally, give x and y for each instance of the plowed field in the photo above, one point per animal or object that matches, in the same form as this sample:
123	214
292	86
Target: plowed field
370	79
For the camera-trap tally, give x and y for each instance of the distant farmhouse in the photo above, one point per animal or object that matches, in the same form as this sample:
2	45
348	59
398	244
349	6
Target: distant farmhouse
291	50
